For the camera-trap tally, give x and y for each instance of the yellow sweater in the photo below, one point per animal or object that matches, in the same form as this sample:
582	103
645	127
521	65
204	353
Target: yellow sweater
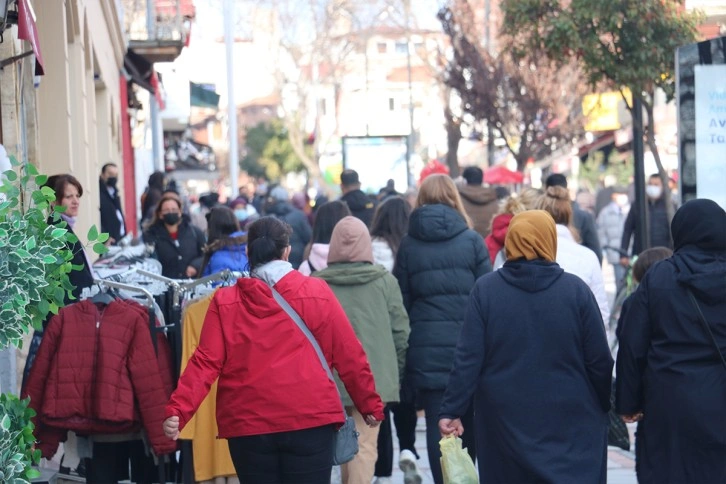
211	455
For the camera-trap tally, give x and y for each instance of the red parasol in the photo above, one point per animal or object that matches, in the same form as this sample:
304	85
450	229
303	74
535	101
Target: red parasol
500	175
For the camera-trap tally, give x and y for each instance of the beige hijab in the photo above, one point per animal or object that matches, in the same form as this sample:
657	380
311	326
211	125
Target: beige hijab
531	235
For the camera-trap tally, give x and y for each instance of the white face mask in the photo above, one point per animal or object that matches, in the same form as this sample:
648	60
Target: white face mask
621	200
653	191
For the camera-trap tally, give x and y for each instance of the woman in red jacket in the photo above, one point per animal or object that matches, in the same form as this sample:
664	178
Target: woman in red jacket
275	403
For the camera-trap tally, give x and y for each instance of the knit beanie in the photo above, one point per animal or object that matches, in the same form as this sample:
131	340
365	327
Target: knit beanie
350	242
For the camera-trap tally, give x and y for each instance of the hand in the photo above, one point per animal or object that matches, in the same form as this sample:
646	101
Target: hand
632	418
171	428
371	421
449	426
191	271
110	242
625	262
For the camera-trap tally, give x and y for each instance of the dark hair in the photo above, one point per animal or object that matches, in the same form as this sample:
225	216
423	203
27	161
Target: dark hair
326	217
473	175
156	180
390	221
556	180
107	165
349	178
647	258
654	175
221	224
267	239
58	184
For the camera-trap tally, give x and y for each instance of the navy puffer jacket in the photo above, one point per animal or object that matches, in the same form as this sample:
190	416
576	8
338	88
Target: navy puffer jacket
436	266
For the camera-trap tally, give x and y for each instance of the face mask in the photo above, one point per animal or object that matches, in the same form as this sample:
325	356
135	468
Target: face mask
171	218
112	181
653	191
241	214
621	200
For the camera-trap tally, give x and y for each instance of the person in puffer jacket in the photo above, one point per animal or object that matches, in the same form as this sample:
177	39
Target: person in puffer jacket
437	265
227	244
498	231
316	258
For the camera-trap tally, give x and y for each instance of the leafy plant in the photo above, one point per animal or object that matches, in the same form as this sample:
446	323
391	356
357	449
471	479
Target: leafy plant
16	441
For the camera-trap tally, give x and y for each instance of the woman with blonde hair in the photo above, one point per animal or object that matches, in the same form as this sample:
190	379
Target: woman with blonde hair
571	256
437	264
498	230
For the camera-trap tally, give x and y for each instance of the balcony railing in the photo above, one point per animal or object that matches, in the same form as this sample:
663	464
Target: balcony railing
171	20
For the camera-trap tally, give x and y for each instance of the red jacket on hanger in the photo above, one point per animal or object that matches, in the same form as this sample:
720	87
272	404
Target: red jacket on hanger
270	378
94	366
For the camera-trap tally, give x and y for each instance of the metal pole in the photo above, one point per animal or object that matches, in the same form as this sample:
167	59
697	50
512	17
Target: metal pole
488	46
642	233
229	21
409	147
157	135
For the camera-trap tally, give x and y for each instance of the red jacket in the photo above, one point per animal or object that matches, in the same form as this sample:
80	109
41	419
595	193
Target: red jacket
96	372
270	378
495	240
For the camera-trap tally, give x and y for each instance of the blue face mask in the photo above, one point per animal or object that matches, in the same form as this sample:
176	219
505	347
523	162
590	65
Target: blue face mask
241	214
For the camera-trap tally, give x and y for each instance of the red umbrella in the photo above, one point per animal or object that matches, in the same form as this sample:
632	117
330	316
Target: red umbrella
433	167
500	175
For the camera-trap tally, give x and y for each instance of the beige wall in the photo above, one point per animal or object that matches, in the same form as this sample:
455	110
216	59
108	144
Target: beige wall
78	100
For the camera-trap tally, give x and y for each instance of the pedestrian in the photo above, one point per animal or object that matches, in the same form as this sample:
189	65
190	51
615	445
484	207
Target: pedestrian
372	301
360	204
610	223
658	225
329	214
582	220
243	211
498	231
534	354
571	256
178	244
437	264
207	202
112	215
480	202
670	366
278	204
389	226
226	244
275	403
151	196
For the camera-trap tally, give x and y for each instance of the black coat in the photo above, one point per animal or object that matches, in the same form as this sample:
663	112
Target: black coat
437	265
110	222
361	205
176	255
533	352
585	225
668	368
301	230
660	233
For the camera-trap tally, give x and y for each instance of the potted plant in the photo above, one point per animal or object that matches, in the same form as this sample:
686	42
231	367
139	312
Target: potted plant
34	267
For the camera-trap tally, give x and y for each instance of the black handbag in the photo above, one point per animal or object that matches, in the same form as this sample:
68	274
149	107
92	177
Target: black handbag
346	438
618	435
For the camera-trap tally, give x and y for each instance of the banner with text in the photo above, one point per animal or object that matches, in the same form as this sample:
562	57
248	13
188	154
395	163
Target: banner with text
711	132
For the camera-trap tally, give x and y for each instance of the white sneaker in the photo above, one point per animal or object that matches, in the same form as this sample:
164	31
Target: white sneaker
383	480
407	464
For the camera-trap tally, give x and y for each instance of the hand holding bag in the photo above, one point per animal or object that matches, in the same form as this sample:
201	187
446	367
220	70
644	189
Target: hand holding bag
456	464
346	438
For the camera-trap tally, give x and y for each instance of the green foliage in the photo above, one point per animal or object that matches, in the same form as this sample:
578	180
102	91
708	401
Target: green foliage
594	170
16	441
619	43
34	256
269	151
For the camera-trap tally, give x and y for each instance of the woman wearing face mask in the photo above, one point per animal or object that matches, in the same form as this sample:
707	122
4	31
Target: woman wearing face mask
178	244
244	212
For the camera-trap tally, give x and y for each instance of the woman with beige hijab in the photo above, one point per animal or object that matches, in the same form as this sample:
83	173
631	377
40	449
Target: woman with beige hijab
533	354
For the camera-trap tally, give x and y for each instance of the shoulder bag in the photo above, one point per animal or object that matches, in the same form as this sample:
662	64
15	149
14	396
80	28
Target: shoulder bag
702	318
346	438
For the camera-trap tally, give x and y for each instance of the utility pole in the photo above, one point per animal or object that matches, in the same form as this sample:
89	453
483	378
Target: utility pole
488	46
157	132
233	158
642	232
409	147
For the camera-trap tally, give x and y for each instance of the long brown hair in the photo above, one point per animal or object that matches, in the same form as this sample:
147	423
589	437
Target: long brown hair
440	189
556	201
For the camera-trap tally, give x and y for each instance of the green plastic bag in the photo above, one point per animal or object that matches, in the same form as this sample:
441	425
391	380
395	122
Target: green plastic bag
456	464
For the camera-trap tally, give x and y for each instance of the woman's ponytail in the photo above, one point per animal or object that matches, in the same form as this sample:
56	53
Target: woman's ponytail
267	239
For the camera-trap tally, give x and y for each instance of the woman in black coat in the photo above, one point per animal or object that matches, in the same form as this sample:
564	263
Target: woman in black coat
671	374
178	244
437	265
533	352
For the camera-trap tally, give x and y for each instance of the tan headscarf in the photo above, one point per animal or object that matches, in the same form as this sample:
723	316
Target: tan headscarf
531	235
350	242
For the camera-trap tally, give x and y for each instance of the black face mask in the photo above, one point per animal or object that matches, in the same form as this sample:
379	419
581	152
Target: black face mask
171	218
112	181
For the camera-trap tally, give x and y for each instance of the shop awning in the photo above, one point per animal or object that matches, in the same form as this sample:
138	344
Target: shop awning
27	30
140	70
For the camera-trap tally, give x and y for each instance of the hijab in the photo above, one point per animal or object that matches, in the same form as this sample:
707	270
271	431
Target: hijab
350	242
531	235
702	223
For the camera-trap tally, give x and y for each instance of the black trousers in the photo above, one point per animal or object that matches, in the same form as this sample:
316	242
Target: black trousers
404	416
296	457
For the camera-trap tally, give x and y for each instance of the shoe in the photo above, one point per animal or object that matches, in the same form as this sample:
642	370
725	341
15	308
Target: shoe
383	480
407	464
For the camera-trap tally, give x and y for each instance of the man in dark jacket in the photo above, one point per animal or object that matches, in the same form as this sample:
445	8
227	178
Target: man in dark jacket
278	204
659	231
480	202
112	216
582	220
361	206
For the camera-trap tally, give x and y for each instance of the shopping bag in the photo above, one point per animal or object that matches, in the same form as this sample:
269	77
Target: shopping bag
456	464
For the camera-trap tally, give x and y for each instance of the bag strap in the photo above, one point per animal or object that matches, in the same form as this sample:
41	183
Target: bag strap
702	318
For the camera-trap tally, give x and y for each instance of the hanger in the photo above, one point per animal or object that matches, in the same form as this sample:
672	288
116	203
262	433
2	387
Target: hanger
102	297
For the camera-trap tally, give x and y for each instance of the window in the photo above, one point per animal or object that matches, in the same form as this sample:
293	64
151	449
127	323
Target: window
391	104
402	47
382	47
418	46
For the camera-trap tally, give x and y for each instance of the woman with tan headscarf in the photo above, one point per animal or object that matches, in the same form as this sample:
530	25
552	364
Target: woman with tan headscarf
533	353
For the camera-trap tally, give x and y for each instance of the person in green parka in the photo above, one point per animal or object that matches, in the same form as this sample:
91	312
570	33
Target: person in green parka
372	301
